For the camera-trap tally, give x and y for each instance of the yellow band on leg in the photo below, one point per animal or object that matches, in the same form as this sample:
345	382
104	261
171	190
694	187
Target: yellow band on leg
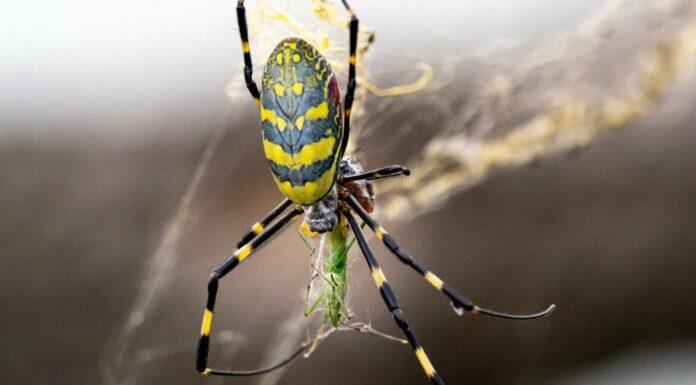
425	362
243	252
434	280
379	277
207	320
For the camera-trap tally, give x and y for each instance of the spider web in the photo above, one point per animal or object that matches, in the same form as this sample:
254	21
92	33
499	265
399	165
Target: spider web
499	108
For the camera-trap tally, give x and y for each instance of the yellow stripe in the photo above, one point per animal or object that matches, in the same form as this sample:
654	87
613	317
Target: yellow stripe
245	46
309	153
434	280
311	192
352	59
279	58
207	320
379	232
269	115
257	228
205	372
425	362
379	277
243	252
321	111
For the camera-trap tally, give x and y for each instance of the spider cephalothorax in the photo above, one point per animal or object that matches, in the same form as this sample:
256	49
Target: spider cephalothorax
305	133
361	189
322	216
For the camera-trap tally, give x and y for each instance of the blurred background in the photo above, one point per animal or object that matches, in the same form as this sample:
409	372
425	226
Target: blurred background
552	145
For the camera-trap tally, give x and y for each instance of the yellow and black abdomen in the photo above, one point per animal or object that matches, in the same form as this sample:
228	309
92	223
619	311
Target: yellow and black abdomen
301	120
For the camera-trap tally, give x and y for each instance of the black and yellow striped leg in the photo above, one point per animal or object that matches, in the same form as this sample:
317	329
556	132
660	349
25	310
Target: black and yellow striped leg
248	67
458	301
240	255
390	300
384	172
350	89
259	226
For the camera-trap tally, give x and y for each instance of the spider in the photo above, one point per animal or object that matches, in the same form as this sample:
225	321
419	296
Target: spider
305	132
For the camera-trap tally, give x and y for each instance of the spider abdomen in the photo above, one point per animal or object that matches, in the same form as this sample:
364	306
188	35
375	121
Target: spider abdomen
301	120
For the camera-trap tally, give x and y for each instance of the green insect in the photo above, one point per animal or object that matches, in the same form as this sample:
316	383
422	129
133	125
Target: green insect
305	132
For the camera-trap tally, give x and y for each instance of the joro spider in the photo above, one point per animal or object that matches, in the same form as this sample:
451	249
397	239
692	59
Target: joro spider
305	134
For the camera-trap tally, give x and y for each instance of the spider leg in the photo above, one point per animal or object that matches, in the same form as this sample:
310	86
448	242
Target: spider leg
390	300
350	89
383	172
458	300
217	274
259	226
248	67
